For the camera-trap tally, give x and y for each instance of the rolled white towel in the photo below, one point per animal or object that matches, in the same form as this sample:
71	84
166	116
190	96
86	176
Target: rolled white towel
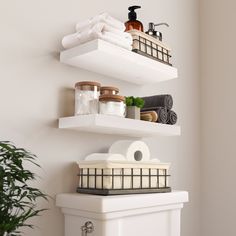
76	39
103	27
121	39
105	157
103	17
116	40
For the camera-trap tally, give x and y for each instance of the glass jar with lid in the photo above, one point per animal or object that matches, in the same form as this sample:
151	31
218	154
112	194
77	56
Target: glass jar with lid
86	97
105	90
112	105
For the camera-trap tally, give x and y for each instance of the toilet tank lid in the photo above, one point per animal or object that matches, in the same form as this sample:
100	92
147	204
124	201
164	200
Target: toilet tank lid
106	204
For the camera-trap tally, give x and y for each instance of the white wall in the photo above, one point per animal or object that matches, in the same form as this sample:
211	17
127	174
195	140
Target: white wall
218	112
36	89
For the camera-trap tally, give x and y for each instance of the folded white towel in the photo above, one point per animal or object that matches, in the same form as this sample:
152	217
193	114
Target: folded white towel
121	39
103	18
116	40
76	39
103	27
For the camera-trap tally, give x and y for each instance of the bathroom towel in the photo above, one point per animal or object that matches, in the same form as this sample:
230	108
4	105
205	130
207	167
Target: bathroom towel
103	17
172	117
149	116
162	114
98	31
164	100
101	27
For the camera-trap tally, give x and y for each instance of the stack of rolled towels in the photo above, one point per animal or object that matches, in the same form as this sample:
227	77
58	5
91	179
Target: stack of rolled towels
161	106
102	26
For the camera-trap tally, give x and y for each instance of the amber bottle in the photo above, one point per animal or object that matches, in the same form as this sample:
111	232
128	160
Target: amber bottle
133	23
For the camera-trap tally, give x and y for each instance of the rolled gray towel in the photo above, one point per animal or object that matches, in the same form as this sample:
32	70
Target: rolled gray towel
172	117
164	100
162	113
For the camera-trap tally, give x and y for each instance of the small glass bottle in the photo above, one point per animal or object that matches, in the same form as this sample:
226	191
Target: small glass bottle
86	97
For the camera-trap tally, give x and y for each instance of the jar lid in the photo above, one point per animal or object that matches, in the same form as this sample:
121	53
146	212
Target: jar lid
88	83
111	97
109	90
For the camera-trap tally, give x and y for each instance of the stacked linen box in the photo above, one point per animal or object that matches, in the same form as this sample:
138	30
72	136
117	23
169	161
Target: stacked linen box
102	26
112	173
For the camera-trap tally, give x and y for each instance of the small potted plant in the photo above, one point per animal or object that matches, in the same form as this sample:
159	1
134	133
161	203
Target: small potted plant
133	106
18	200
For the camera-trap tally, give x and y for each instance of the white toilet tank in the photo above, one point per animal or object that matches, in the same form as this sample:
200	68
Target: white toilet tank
125	215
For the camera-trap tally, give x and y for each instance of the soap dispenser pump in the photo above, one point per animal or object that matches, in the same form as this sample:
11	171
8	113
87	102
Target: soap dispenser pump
156	34
133	23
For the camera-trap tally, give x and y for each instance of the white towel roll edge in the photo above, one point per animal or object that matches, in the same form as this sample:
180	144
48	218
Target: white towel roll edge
105	157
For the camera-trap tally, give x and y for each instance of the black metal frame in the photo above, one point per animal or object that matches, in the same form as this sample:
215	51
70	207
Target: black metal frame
122	190
147	44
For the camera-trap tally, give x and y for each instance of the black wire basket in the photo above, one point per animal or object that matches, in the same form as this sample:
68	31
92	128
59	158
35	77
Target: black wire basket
148	46
116	181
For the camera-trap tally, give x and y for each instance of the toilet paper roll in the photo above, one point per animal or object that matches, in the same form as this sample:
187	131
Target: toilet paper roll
132	150
105	157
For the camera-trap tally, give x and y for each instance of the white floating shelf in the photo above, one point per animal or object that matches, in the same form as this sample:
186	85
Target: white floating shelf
117	126
113	61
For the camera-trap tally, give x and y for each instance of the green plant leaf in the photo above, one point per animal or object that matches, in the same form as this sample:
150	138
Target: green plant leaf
129	101
132	101
18	200
139	102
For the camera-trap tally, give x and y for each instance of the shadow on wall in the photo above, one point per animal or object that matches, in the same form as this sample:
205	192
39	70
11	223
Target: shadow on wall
66	102
55	55
64	179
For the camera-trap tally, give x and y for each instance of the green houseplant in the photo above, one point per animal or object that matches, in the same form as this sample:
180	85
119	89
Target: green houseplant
18	200
133	106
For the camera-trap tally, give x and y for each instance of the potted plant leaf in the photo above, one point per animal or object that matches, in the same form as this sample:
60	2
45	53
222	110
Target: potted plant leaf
133	106
18	200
